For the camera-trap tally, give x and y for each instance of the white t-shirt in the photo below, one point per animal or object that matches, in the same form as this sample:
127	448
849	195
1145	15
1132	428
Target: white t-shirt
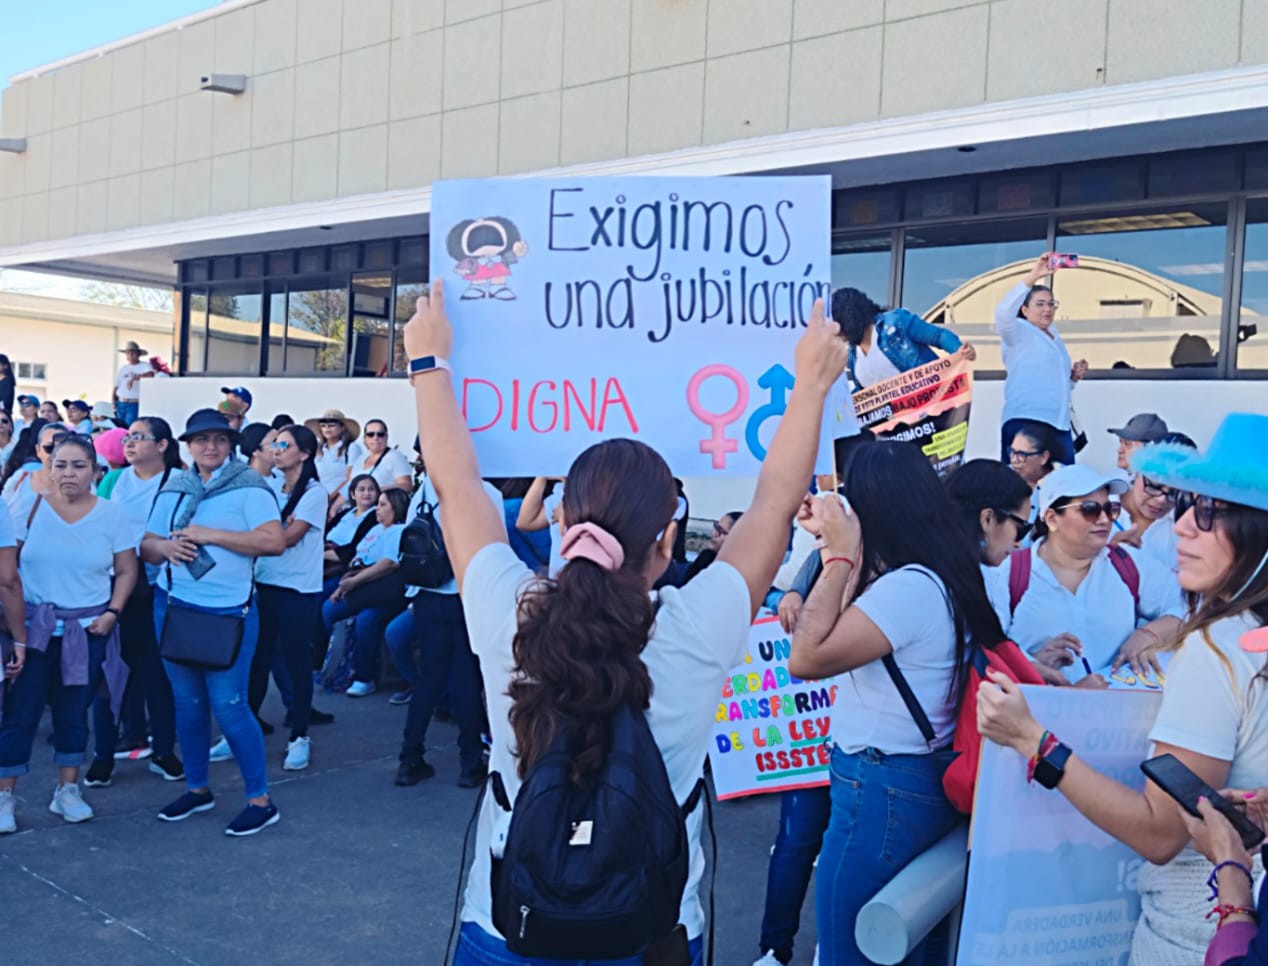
1101	613
1159	541
7	536
552	504
128	383
381	543
228	584
872	366
300	566
332	469
425	489
341	533
19	495
393	465
71	564
83	427
137	497
840	421
701	632
910	607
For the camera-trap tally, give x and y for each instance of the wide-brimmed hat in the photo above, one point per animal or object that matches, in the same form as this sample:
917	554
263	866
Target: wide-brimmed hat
351	426
102	410
207	421
1234	469
1077	479
133	347
1142	428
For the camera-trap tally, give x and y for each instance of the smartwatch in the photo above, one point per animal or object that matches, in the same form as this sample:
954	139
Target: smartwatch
1051	767
427	364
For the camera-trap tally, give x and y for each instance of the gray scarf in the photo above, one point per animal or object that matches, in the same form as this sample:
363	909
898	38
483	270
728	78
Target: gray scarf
234	475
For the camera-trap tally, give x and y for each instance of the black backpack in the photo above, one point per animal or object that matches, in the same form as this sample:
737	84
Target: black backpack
423	560
595	872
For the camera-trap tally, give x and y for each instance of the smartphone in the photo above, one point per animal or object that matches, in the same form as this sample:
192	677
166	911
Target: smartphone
1171	775
1059	260
201	564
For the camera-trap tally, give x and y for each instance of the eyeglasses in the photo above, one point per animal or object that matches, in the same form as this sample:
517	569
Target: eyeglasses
1023	526
718	531
280	445
140	438
1022	454
375	433
1044	304
1204	510
1157	490
1091	510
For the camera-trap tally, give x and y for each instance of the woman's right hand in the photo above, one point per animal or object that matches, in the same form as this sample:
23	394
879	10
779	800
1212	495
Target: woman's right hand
178	550
17	661
789	610
1059	651
1214	836
821	352
1040	270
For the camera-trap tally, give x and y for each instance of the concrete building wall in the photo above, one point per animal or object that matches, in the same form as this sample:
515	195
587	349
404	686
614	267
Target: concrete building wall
349	97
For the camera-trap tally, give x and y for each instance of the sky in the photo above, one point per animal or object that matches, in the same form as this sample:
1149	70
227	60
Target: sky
37	32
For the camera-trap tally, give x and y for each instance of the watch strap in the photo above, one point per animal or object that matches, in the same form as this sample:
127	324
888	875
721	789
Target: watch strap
1051	767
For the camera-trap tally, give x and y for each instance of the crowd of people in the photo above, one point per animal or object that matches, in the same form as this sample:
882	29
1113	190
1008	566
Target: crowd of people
564	626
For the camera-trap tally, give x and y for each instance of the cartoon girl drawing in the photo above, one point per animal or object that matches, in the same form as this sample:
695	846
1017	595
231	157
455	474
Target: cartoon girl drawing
483	250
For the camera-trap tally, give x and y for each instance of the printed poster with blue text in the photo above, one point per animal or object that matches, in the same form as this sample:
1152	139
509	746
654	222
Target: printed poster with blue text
770	732
662	309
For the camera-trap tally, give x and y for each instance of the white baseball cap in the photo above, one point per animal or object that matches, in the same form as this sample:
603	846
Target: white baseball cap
1076	480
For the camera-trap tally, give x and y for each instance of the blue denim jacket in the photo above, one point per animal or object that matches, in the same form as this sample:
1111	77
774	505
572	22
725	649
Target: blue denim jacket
905	339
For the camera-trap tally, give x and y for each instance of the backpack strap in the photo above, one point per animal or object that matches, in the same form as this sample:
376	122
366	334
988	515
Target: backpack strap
1018	578
498	787
1126	569
697	792
909	699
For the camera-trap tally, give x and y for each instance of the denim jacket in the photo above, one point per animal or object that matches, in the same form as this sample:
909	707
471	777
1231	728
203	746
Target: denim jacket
905	339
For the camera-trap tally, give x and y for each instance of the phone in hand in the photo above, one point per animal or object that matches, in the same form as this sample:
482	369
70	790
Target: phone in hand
201	564
1171	775
1060	260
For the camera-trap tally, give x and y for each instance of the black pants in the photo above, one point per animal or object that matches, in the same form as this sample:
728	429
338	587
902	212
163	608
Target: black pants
285	618
446	663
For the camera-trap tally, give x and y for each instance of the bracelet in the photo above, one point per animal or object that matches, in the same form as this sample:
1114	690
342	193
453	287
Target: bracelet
113	610
1047	742
1212	882
1225	910
832	560
17	644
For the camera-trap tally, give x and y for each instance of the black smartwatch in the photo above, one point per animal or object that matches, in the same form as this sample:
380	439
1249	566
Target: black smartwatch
1051	768
113	610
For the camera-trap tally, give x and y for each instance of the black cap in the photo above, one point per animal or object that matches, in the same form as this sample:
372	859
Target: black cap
207	421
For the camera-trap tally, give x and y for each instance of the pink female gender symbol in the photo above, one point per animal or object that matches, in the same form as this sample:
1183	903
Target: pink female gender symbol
717	444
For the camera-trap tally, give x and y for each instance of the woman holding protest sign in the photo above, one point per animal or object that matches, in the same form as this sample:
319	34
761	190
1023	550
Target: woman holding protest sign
1214	713
574	651
915	608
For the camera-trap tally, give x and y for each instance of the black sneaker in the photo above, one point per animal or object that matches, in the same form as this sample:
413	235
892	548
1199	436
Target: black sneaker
315	717
99	773
413	772
187	805
169	766
265	727
473	776
253	818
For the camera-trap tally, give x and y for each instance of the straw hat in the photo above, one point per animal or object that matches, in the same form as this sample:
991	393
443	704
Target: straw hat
133	347
351	426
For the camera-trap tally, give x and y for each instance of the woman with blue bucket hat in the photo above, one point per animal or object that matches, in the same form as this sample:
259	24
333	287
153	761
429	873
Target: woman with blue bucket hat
1214	712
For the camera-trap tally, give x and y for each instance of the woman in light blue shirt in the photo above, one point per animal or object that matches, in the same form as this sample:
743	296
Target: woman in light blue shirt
1040	375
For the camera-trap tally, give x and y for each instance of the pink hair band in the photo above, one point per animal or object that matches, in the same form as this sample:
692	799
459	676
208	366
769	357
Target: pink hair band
589	541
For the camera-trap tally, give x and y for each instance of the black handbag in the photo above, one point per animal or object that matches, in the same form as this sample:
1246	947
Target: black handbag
385	591
197	639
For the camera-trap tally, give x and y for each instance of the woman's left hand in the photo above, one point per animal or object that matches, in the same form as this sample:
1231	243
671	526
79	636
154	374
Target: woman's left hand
1003	715
197	533
428	332
1214	835
1078	370
841	533
102	624
968	352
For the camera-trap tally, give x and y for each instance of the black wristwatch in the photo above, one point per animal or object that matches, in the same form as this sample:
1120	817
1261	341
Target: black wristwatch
113	610
1051	768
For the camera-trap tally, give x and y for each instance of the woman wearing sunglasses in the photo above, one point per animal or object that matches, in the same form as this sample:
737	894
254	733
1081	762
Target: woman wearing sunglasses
1072	601
29	470
385	463
1214	713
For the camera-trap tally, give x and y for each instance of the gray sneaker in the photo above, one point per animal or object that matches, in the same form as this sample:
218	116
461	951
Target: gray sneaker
69	804
8	823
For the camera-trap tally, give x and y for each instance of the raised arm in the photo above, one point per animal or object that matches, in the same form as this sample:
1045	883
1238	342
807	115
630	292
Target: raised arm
532	515
1007	319
757	542
472	522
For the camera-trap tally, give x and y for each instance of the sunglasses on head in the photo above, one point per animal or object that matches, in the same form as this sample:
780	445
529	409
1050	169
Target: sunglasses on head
1204	510
1091	511
52	445
1023	526
375	433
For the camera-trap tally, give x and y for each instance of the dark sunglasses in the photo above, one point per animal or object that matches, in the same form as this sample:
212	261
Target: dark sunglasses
1204	510
1091	510
330	422
374	433
1023	526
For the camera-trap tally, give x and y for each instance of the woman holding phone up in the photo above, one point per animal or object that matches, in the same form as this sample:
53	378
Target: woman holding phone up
1214	713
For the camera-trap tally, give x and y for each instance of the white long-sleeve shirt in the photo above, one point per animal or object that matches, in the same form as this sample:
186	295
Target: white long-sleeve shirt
1037	385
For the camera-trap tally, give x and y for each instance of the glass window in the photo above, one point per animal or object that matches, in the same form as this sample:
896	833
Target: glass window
863	263
1252	327
316	326
854	209
1015	192
371	321
1148	292
233	331
939	199
1100	183
196	346
410	284
956	274
276	362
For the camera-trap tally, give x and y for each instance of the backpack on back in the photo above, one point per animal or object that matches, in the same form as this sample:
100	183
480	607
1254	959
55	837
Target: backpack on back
594	872
1019	565
423	559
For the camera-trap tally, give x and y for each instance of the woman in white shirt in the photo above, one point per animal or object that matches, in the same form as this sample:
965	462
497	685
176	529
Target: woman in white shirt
353	522
78	564
1081	600
387	464
338	451
289	586
1040	375
542	638
31	479
1214	713
915	607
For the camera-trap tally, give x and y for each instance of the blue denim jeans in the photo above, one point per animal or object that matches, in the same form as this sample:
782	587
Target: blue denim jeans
803	817
886	810
477	948
126	411
400	639
224	694
367	632
40	684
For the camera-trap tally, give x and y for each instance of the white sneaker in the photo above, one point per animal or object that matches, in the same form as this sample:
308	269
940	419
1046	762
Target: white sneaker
7	822
768	959
220	751
69	804
816	962
359	689
296	755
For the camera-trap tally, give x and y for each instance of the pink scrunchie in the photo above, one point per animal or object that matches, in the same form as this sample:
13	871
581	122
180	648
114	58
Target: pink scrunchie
591	542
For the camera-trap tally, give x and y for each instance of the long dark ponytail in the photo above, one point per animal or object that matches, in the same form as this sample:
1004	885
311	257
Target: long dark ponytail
580	638
306	442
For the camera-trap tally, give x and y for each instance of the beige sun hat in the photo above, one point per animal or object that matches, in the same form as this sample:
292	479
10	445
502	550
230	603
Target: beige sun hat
352	427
